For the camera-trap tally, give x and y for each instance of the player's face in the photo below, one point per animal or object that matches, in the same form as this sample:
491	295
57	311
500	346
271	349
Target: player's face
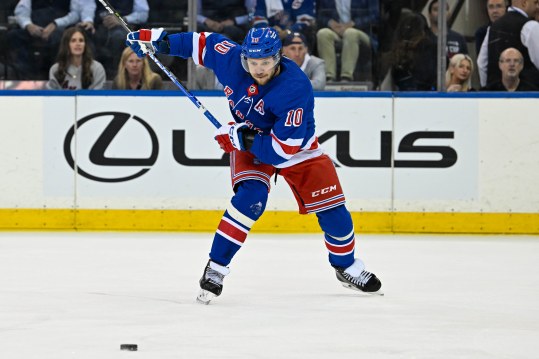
133	65
295	52
262	70
496	9
77	44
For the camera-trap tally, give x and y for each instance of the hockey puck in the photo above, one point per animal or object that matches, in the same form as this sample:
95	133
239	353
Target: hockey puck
129	347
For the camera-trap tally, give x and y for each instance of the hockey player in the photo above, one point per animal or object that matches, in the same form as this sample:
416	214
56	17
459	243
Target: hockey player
273	133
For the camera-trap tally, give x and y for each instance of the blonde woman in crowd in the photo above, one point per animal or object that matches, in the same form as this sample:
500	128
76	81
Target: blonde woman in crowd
135	74
75	68
458	77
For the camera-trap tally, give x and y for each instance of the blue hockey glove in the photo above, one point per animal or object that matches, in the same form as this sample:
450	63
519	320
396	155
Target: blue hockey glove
145	41
235	136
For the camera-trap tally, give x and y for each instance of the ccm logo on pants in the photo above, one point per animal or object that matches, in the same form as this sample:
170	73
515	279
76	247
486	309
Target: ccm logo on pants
324	191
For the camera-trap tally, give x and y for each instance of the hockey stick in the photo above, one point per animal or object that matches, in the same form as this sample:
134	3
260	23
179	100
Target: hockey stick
177	82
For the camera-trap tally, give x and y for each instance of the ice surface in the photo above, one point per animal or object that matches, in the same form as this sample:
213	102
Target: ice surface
81	295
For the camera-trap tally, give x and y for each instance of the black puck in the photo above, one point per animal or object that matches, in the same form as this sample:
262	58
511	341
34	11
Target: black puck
130	347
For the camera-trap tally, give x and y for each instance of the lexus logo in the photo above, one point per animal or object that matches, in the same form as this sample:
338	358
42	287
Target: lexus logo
102	160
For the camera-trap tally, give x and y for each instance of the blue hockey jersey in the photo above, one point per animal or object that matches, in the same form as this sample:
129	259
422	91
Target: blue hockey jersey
283	109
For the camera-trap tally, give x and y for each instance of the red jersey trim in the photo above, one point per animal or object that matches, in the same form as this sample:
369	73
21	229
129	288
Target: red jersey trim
201	47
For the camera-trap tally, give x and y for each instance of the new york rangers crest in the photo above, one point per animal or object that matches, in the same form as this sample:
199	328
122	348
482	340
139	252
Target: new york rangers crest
252	90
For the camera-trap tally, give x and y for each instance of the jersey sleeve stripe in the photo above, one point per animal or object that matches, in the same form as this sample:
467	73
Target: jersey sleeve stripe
312	144
288	148
199	47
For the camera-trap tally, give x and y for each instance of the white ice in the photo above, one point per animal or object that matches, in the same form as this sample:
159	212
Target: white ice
81	295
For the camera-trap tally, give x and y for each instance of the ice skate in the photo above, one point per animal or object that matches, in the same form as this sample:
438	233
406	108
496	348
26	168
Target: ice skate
211	283
357	278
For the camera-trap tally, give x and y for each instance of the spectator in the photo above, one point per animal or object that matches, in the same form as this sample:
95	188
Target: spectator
295	48
205	79
455	43
514	29
135	73
458	77
228	17
169	13
286	16
75	68
495	10
86	11
110	35
41	24
511	64
348	25
413	64
391	12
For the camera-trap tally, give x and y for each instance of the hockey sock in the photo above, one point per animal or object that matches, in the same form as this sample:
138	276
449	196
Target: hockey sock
245	208
339	234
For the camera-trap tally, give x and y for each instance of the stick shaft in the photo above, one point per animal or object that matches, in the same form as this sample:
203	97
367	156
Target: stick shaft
173	78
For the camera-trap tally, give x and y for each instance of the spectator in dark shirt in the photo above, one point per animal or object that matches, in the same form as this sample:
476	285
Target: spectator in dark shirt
287	16
511	64
227	17
413	64
110	35
495	10
456	43
517	29
41	24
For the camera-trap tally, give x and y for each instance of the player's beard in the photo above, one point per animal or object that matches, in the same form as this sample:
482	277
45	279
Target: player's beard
261	81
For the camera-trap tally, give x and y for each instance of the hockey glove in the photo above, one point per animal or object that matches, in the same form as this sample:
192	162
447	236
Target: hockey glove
145	41
235	136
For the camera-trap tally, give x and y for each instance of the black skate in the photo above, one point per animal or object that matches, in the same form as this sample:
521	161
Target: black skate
357	278
211	283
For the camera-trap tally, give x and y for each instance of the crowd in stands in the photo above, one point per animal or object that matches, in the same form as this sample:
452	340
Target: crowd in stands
78	44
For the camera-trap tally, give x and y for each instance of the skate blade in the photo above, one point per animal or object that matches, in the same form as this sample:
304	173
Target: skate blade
205	297
349	286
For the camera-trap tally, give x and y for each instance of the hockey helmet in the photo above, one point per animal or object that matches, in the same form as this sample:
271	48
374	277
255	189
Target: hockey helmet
260	43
